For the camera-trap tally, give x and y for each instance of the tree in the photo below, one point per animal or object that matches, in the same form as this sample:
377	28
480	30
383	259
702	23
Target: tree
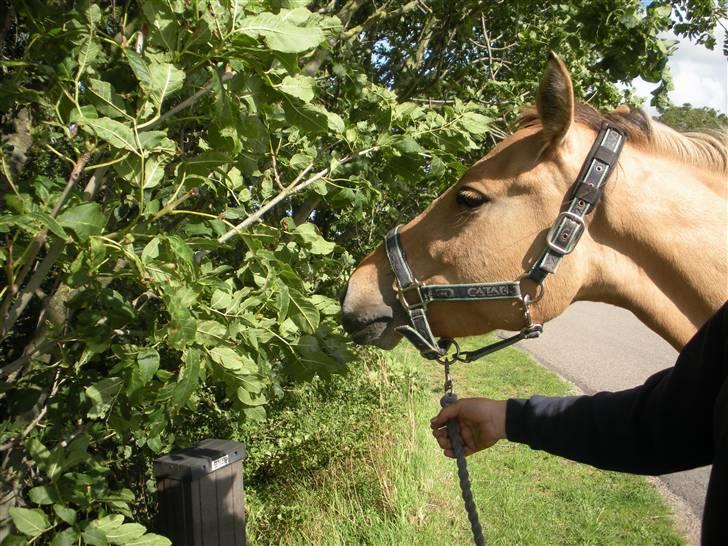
689	118
177	176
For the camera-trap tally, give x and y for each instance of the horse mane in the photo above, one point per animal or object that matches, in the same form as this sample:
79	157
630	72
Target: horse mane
709	148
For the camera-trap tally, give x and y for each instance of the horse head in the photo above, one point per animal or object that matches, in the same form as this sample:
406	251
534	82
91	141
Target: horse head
489	226
492	226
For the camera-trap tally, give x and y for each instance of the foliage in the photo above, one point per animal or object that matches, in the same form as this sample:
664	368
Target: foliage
179	180
689	118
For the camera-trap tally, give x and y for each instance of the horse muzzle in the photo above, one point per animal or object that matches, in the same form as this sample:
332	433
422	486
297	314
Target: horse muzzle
370	320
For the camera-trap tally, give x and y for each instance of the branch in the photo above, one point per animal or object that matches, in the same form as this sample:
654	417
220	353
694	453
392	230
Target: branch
35	246
294	187
44	348
274	163
378	14
26	294
307	207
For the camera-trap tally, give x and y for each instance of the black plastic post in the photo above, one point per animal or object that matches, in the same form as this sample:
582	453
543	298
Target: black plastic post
200	493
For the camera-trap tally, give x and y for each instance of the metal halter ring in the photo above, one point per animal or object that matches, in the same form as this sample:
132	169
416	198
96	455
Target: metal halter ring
446	360
540	290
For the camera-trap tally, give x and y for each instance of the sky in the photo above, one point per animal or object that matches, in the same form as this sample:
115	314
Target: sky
700	76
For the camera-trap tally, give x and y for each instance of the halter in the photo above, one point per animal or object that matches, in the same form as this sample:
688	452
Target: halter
562	238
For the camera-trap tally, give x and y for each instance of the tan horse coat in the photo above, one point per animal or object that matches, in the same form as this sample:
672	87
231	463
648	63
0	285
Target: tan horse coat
657	244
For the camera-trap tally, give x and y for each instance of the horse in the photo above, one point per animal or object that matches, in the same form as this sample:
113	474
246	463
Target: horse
656	244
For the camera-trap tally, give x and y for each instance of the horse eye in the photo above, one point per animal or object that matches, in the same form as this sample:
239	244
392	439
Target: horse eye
470	198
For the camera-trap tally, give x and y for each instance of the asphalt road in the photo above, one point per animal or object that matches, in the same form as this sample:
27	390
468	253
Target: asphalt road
601	347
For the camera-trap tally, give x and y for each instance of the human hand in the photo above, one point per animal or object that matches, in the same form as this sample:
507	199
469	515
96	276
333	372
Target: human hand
482	423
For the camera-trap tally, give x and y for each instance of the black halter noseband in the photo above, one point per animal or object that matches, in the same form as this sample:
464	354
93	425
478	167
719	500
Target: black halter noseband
565	232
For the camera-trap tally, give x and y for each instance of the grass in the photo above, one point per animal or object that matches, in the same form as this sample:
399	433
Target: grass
401	490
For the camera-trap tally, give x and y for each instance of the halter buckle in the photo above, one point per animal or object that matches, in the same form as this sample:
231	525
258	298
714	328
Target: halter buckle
572	239
402	292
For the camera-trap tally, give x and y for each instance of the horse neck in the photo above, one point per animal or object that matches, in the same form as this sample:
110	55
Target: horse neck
661	245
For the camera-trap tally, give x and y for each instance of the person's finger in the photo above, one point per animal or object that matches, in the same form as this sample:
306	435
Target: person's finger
446	413
439	432
441	437
444	442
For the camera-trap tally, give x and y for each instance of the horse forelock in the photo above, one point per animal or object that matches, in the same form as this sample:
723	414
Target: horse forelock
702	149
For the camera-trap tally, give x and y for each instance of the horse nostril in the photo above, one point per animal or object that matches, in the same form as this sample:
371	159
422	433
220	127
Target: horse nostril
349	322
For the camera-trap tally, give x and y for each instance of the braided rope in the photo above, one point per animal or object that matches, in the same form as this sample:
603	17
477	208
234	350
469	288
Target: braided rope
453	432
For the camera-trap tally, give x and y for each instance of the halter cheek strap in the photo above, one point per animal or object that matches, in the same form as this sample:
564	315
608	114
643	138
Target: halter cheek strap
569	225
414	296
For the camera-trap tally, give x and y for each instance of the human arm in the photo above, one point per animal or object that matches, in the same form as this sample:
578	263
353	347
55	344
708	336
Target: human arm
664	425
661	426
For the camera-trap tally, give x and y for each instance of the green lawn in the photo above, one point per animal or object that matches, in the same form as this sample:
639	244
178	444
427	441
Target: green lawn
403	491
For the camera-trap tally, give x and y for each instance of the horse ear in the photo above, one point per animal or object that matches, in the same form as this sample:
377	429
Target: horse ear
555	102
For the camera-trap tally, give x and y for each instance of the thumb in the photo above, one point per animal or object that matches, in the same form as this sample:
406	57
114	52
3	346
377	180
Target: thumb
446	413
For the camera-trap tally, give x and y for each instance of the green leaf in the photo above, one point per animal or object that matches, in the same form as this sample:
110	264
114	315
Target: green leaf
255	414
107	523
283	301
76	452
150	539
54	463
151	251
312	359
325	305
84	220
474	123
314	242
335	123
153	173
210	332
231	360
164	79
220	299
108	102
148	361
126	533
38	451
188	377
67	537
88	52
139	67
312	118
42	494
115	133
158	80
85	112
303	313
406	144
14	540
250	399
298	86
30	522
93	14
156	141
64	513
102	395
94	536
281	35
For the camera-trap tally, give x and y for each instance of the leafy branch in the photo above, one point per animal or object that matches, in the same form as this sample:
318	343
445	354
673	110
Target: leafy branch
296	186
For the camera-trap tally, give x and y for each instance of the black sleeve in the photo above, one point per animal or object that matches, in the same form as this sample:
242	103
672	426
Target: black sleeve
662	426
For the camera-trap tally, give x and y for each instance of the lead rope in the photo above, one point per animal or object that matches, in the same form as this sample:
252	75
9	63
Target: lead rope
453	431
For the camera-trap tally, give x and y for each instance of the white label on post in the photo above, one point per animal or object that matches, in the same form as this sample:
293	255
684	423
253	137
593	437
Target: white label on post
218	463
